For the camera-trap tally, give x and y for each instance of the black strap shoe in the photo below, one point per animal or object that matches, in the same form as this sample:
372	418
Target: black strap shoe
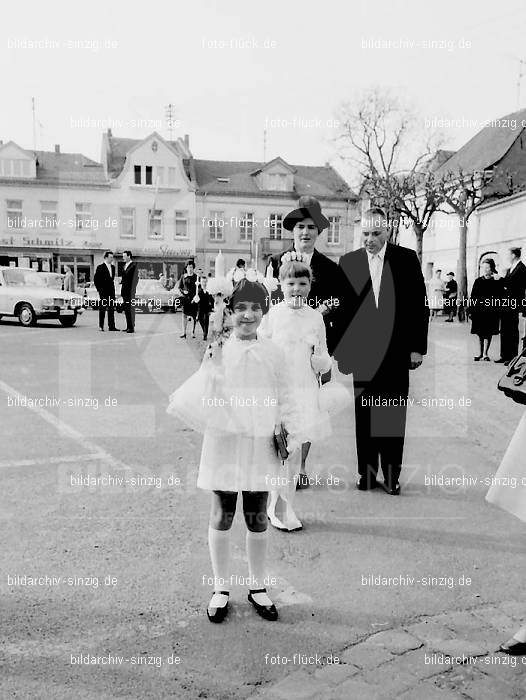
513	647
267	612
218	614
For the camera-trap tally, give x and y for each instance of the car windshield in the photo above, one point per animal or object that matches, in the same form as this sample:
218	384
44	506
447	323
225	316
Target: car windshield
53	280
24	278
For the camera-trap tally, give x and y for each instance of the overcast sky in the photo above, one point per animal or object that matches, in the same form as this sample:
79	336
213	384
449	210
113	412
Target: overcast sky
232	68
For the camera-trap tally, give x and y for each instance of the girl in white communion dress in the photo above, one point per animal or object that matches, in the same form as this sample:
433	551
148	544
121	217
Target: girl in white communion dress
299	330
236	399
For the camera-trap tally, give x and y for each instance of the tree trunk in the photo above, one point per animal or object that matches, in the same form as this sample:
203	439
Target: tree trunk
462	273
419	235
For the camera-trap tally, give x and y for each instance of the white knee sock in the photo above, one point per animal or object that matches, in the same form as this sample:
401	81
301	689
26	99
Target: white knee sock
219	546
256	543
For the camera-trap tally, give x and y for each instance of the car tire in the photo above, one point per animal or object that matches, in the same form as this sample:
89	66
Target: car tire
68	321
26	315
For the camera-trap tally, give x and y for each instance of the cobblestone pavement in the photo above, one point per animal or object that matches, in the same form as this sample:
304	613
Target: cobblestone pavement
440	657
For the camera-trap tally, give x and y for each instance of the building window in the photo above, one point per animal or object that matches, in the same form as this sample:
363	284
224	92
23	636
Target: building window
137	174
333	234
181	224
155	219
275	221
171	177
148	175
48	213
246	226
82	216
212	265
160	176
216	223
127	222
14	213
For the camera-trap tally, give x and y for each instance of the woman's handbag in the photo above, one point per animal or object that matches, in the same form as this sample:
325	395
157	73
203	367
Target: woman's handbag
513	382
280	442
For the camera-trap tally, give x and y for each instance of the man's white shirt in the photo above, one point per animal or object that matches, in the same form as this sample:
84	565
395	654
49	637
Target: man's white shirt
376	266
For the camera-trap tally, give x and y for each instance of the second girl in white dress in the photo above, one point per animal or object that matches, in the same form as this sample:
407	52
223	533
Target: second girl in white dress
299	331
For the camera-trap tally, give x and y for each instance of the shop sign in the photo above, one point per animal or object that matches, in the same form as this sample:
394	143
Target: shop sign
38	242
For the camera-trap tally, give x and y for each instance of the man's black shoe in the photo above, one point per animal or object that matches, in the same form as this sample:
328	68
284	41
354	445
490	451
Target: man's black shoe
392	489
365	484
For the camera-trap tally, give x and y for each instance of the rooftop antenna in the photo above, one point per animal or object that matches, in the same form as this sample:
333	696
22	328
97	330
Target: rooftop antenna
522	67
169	112
521	74
264	145
34	124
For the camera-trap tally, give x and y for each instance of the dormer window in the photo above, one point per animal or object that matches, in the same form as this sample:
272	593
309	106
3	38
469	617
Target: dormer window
14	167
277	181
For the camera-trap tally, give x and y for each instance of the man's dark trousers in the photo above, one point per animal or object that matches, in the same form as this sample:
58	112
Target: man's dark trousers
380	429
107	305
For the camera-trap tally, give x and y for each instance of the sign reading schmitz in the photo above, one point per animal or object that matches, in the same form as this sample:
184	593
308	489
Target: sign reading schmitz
38	242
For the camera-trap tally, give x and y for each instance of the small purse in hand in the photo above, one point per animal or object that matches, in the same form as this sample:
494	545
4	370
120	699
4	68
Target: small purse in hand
513	382
280	442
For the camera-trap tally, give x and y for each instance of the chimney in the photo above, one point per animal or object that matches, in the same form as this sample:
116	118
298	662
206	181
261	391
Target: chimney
109	133
57	148
187	141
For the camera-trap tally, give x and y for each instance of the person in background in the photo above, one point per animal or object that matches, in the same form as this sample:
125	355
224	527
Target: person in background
105	284
435	293
450	297
484	307
204	306
170	282
130	276
514	290
69	280
188	288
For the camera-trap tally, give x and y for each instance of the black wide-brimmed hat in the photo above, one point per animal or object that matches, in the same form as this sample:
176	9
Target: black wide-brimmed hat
308	208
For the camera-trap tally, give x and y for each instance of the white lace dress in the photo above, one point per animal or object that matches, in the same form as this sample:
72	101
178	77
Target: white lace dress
236	400
300	332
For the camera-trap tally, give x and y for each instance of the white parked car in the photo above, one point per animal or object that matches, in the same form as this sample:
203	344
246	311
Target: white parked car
91	296
32	295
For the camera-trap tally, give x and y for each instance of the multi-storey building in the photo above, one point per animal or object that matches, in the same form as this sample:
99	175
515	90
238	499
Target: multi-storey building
55	206
241	207
151	196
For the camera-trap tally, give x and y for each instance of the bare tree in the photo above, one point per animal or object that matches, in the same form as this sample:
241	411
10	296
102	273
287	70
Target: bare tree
412	198
380	138
464	192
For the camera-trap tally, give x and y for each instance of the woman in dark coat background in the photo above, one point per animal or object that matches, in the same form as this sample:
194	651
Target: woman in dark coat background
484	307
188	288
